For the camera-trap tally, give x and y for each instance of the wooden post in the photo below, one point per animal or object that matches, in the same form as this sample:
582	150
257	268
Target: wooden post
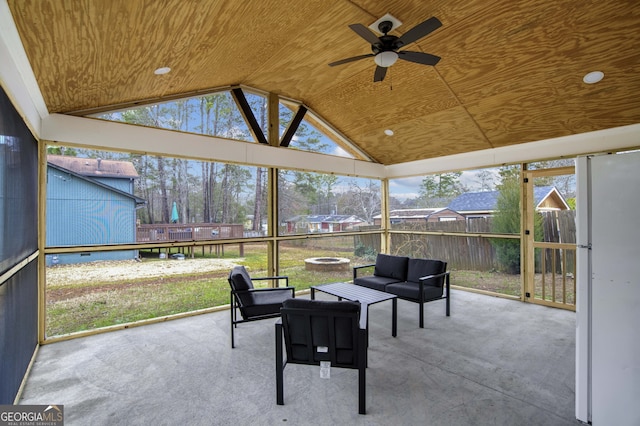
273	119
385	243
42	219
272	214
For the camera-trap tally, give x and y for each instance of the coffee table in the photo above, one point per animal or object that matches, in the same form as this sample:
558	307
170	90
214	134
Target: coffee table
366	296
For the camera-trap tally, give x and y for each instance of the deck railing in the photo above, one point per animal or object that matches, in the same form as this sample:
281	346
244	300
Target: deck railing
188	232
555	275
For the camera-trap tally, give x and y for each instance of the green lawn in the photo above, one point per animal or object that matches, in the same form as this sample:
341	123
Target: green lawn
96	303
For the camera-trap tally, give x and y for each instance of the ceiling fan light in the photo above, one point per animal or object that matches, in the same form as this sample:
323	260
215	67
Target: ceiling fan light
386	59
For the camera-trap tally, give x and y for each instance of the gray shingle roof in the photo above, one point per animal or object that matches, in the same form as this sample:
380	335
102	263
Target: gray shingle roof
475	201
486	200
94	167
93	181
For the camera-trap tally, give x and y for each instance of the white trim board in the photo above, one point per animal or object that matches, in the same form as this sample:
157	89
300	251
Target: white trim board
65	129
125	137
566	146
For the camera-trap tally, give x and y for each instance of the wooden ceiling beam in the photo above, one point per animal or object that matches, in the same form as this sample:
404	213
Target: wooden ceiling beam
247	114
293	126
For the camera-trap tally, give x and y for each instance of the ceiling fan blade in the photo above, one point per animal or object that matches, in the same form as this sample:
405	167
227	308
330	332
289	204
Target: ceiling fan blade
419	57
347	60
365	33
419	31
379	74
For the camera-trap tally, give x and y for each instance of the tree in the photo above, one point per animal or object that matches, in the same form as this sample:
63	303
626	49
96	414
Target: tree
180	181
290	201
394	203
62	150
361	201
145	185
306	138
162	182
566	184
438	190
507	220
317	189
485	179
409	203
260	195
259	200
228	194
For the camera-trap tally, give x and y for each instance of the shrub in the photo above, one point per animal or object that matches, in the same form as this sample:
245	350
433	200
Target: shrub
365	252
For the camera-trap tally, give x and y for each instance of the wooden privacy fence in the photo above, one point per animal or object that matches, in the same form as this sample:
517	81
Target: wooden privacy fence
367	244
559	227
460	252
555	258
474	251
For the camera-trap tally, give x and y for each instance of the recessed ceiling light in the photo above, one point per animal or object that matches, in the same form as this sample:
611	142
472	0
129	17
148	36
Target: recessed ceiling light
593	77
162	70
388	132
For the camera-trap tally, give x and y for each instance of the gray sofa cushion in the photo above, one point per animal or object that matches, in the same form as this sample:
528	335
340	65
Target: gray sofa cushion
240	279
256	303
375	282
391	266
419	268
411	290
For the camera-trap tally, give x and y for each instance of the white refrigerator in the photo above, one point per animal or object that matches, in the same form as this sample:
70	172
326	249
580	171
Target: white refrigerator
608	289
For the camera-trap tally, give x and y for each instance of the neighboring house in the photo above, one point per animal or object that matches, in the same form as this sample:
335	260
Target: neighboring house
90	201
483	204
438	214
322	223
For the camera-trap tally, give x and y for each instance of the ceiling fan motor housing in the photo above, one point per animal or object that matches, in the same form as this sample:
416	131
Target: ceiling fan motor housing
385	27
387	43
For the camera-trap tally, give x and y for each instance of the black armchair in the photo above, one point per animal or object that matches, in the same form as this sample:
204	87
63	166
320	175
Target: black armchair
317	331
255	303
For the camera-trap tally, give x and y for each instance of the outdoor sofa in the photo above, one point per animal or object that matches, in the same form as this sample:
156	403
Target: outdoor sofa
415	280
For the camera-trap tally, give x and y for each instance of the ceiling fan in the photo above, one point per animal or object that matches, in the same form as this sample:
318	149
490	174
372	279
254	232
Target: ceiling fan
386	48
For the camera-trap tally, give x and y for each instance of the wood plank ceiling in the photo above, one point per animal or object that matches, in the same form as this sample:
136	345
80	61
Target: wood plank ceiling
511	70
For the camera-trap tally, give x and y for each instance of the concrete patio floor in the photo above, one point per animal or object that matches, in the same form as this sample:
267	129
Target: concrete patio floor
493	362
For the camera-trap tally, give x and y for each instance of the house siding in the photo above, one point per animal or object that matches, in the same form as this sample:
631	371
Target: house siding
124	185
445	213
82	213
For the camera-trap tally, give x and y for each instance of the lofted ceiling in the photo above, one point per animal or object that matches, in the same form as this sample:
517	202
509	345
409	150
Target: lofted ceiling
511	70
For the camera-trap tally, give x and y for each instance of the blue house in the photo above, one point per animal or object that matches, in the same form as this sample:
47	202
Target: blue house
483	204
90	201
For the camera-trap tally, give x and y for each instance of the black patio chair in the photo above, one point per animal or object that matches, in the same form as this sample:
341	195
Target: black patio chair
255	303
315	331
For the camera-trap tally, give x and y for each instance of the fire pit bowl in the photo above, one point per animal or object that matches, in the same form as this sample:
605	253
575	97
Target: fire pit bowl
327	264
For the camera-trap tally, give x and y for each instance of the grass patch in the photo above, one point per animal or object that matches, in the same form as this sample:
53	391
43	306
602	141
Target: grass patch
87	304
496	282
123	303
